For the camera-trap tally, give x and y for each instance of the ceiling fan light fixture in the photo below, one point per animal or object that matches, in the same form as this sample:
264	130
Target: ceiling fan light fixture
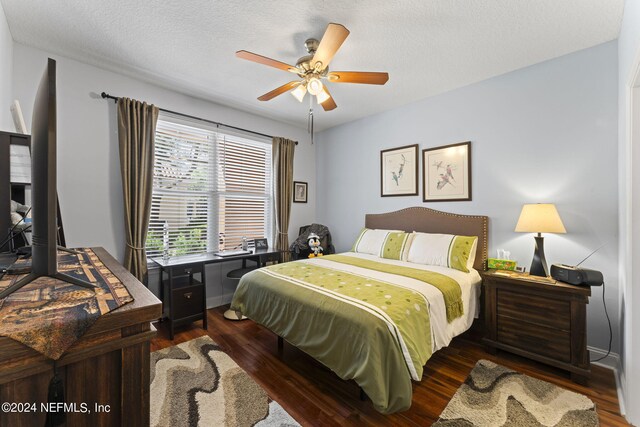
299	92
322	96
315	86
311	69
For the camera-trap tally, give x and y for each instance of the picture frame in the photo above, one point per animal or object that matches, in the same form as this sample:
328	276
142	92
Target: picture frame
300	191
446	173
399	171
260	244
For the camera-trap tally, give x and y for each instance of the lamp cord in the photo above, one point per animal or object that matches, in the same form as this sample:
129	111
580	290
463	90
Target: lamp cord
9	235
604	303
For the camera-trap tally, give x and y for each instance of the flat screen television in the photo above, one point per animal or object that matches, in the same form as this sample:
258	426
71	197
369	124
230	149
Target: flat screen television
43	187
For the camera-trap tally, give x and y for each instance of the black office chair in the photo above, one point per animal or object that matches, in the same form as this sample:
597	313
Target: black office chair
300	249
237	275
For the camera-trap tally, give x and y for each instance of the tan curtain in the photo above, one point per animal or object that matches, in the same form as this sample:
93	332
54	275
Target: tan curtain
136	134
283	151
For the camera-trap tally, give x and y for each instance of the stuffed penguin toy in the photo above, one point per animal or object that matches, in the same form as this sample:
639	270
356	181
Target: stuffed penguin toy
314	245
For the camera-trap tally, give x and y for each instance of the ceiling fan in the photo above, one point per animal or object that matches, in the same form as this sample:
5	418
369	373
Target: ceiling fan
314	68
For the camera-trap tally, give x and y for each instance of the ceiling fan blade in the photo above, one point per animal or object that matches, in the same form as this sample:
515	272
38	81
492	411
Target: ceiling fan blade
364	77
333	37
329	104
254	57
279	91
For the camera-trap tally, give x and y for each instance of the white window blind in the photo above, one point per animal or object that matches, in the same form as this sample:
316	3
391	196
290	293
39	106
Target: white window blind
210	188
243	189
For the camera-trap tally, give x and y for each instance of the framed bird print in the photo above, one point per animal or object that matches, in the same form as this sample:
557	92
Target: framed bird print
446	173
399	171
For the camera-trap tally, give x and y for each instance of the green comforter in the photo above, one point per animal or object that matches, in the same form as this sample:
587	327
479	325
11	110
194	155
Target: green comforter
360	326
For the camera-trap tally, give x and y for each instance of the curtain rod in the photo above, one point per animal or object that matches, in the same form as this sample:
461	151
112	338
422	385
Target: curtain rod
115	98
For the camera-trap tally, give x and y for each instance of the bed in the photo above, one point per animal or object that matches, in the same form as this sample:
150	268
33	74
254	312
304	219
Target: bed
376	321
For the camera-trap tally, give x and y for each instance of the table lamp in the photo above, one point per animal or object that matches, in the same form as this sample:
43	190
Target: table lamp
539	218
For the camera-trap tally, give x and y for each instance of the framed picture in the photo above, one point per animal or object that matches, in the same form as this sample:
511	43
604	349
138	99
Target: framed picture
399	171
260	244
300	192
446	173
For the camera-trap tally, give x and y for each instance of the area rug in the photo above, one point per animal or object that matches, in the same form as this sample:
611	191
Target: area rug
493	395
197	384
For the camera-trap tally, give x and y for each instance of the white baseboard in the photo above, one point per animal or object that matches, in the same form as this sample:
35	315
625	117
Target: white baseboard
612	361
219	300
621	386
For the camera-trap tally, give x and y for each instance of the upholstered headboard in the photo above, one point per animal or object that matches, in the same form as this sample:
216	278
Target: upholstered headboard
431	221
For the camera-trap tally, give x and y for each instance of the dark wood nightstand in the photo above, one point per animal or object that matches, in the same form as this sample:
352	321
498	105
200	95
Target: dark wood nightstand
538	318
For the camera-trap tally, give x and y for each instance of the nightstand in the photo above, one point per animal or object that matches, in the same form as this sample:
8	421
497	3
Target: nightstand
538	318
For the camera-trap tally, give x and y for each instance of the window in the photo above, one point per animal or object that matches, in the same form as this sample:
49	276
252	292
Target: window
210	188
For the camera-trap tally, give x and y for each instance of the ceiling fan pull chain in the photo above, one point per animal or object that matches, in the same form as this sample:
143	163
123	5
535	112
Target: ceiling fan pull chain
310	124
310	120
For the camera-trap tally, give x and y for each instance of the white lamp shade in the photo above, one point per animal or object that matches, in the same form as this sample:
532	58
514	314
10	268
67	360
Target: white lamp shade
299	92
314	86
540	218
322	96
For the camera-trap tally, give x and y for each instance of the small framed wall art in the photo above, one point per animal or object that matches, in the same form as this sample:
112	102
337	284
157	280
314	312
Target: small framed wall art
260	244
446	173
300	192
399	171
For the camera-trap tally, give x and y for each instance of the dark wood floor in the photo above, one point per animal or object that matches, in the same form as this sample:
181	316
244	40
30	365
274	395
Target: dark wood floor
315	396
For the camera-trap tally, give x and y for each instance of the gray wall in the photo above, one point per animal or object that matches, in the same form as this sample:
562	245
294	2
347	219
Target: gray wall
545	133
89	182
629	196
6	64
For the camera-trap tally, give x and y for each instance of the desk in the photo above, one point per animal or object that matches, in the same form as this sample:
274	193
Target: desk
185	296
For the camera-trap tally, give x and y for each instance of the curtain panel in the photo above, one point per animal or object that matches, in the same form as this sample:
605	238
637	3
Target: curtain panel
283	152
136	135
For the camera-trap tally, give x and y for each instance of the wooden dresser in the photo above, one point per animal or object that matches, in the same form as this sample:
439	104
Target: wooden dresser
109	365
538	318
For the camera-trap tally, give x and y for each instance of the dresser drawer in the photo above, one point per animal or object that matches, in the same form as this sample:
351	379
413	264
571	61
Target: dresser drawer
541	340
187	301
534	309
186	270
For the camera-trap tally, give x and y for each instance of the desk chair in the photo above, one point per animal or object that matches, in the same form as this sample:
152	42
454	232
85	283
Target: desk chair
236	275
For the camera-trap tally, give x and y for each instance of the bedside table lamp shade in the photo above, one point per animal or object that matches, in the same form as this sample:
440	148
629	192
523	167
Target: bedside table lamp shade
539	218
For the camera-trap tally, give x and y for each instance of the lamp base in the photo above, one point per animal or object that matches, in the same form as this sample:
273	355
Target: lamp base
539	263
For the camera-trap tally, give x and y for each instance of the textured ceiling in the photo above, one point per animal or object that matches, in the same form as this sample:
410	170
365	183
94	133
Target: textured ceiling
428	47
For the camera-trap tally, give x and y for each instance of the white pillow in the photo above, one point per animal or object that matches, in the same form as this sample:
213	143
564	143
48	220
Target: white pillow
446	250
429	249
370	241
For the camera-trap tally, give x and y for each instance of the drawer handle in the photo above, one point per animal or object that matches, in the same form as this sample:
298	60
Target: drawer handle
188	295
